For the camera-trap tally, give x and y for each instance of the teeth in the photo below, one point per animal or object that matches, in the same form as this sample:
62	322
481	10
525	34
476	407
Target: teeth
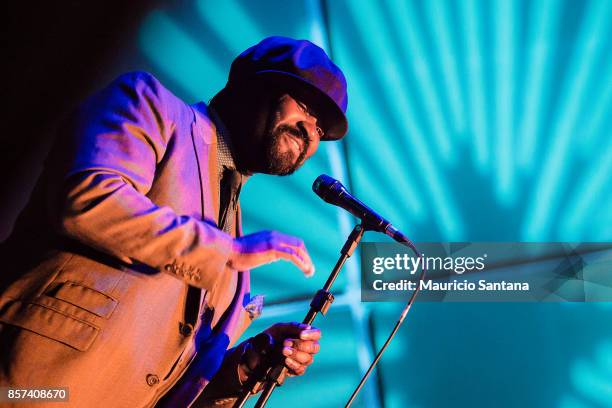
292	140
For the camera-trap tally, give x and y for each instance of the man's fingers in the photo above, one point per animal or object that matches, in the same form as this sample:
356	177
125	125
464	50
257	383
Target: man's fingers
310	334
294	330
295	368
253	250
290	254
280	238
282	331
299	344
299	356
298	246
306	346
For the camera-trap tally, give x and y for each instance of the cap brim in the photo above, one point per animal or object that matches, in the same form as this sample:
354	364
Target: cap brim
333	120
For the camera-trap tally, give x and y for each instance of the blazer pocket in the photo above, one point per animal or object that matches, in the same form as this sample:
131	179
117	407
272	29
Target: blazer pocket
50	323
84	297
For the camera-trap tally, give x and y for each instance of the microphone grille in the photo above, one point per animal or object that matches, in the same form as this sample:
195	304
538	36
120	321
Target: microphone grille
324	186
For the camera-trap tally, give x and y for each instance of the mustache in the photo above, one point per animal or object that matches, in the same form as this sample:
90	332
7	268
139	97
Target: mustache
284	163
294	131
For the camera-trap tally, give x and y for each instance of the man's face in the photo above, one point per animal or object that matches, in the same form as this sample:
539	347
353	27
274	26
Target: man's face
292	136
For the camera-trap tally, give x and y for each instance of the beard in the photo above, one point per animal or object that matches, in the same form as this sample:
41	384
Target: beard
283	163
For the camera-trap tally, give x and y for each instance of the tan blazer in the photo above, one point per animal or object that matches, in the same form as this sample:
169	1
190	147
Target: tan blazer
100	303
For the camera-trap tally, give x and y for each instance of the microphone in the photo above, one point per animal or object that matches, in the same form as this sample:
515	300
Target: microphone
333	192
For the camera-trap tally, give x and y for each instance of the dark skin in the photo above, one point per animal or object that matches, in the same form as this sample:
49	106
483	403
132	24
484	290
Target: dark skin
259	117
273	132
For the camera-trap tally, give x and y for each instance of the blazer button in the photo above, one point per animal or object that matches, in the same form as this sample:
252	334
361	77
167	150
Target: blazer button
152	379
186	329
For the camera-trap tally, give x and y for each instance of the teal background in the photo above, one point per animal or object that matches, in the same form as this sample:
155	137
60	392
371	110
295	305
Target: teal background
469	121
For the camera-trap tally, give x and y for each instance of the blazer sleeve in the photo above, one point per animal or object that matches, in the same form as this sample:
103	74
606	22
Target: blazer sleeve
113	145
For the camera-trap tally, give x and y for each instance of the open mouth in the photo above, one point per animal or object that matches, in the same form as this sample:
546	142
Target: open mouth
293	143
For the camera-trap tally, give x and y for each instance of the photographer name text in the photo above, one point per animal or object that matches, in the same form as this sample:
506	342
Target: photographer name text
454	285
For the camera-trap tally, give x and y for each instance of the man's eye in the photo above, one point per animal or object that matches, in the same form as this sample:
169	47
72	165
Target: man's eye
305	109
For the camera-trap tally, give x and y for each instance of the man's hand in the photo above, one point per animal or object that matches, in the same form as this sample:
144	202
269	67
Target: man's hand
300	344
297	343
260	248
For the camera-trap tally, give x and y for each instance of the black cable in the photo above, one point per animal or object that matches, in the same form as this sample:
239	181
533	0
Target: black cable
405	241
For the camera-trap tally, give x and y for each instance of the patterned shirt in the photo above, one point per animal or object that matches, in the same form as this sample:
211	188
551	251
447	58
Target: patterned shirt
225	162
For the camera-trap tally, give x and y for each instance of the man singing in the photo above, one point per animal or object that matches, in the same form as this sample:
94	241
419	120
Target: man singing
126	277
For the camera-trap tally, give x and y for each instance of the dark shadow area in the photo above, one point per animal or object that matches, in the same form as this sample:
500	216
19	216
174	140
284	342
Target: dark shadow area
55	53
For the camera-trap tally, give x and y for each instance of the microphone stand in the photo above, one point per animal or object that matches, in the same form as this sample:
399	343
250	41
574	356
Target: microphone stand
321	301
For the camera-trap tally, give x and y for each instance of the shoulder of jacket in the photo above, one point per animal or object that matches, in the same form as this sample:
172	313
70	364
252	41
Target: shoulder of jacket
143	83
140	81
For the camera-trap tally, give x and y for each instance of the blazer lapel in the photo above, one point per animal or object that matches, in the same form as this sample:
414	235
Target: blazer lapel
232	320
206	149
